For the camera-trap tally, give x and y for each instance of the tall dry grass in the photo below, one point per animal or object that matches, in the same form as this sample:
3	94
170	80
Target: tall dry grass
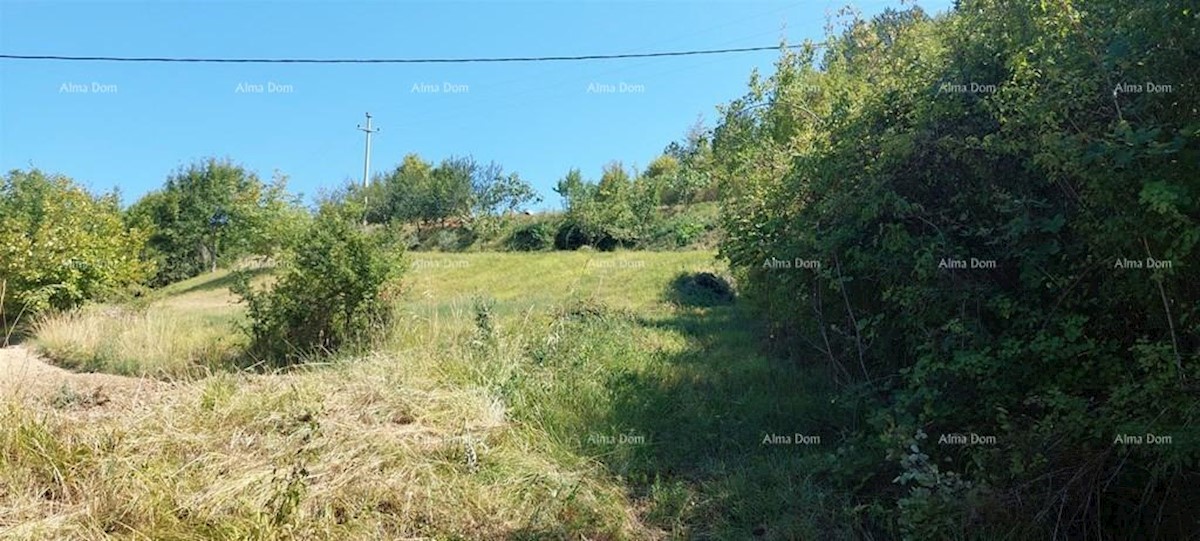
137	342
364	450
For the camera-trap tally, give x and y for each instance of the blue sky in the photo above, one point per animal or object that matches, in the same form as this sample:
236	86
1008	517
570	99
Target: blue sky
139	122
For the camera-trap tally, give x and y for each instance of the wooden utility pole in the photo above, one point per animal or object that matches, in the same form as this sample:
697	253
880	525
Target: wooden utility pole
366	163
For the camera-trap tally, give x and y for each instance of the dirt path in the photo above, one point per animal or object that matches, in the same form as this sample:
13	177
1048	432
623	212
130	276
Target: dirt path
25	375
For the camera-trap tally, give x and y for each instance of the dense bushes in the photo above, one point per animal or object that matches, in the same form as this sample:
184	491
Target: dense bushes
61	246
661	208
966	219
532	237
334	289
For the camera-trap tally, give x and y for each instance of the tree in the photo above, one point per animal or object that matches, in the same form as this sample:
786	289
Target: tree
213	211
458	187
572	189
600	214
690	179
614	184
497	193
449	193
61	245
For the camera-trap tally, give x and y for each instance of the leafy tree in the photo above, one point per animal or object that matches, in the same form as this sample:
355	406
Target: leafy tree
449	193
601	214
614	186
211	211
660	178
458	187
573	189
61	246
503	193
690	180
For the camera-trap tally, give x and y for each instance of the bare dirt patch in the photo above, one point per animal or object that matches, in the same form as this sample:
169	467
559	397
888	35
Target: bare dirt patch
24	375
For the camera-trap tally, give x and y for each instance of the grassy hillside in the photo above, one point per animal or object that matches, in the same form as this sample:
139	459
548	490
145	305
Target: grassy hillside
669	228
521	396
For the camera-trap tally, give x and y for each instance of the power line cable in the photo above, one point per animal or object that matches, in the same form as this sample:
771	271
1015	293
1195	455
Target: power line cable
538	93
396	60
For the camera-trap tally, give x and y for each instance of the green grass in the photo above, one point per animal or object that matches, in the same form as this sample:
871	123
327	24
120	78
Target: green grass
595	407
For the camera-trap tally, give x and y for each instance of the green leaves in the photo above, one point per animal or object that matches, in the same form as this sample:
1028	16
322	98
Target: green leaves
61	246
335	288
1021	155
458	187
214	211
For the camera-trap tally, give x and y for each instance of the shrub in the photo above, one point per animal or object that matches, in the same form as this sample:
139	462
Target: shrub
446	240
335	290
61	246
700	289
575	233
867	161
532	237
571	235
212	212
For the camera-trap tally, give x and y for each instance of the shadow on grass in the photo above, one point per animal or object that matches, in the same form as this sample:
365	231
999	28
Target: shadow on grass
224	282
716	440
700	289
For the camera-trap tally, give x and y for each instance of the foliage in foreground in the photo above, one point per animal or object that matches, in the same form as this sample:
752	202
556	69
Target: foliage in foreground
335	288
593	405
941	211
61	246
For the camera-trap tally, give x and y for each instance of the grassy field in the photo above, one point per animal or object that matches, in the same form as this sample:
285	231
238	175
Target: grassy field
521	396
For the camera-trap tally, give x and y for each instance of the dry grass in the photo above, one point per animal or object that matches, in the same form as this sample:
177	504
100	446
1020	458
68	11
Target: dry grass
348	452
136	342
187	330
442	432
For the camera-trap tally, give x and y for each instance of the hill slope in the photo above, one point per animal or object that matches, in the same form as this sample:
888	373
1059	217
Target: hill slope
522	396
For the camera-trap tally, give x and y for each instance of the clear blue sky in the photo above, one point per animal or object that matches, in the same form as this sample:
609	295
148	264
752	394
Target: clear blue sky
538	119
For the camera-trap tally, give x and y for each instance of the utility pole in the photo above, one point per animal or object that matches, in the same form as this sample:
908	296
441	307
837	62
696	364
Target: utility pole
366	163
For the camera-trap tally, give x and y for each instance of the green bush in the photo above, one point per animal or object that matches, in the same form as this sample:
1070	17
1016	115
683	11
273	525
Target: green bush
914	148
532	237
61	246
335	289
575	233
688	232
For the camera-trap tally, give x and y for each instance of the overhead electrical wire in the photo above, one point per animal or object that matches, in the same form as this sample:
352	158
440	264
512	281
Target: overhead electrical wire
394	60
